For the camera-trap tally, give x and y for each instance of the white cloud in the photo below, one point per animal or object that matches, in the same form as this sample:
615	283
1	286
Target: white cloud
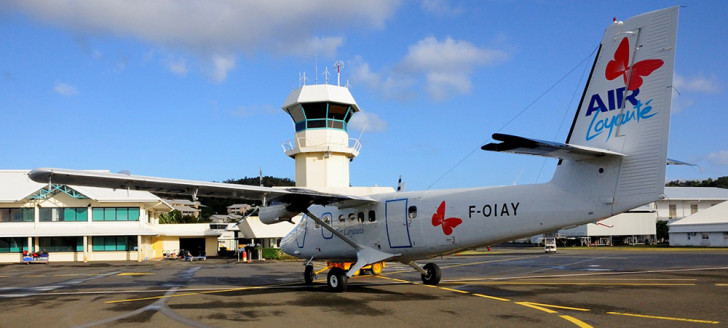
324	46
176	65
441	8
448	64
65	89
209	28
698	84
367	122
220	67
719	157
394	86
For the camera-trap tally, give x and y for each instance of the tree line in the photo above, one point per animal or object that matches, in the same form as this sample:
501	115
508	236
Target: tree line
721	182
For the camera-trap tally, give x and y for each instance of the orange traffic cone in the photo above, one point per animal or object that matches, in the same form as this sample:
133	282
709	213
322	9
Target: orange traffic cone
245	256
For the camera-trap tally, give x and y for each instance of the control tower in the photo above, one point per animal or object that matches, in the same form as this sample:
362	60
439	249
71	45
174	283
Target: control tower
322	147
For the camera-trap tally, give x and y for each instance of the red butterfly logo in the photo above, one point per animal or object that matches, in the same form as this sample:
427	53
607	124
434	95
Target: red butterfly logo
447	224
619	66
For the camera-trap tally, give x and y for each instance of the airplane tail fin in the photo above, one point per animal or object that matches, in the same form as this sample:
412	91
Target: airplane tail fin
625	109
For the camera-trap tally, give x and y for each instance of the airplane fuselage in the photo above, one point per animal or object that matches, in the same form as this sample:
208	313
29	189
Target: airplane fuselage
423	224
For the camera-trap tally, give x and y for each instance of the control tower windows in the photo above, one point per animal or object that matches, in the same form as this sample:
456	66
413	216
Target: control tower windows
317	115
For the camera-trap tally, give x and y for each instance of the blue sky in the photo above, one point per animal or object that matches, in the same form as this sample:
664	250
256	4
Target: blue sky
193	89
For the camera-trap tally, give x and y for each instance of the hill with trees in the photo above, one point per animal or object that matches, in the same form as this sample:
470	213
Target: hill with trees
721	182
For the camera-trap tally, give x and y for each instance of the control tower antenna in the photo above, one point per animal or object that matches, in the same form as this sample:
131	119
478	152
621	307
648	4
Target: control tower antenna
301	79
315	71
339	65
326	74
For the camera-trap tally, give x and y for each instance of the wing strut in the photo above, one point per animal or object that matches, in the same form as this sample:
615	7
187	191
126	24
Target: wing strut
364	254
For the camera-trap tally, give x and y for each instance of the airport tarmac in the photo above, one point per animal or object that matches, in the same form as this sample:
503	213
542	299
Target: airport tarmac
513	287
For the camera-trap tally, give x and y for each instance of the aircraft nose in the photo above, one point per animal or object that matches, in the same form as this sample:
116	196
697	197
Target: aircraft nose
287	244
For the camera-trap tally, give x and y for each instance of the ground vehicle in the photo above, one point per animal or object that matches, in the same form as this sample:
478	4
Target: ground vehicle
549	245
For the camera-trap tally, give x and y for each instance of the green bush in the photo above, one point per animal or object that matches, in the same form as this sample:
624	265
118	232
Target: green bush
276	254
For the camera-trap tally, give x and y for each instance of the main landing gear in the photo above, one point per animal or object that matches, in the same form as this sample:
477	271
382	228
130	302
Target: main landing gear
432	275
338	281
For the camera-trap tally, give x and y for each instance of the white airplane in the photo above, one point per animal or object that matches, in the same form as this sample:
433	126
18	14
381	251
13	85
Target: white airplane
613	161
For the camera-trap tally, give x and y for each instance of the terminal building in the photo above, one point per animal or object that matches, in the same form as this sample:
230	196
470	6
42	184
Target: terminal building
75	223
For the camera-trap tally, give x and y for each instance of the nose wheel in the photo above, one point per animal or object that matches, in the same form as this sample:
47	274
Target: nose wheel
309	275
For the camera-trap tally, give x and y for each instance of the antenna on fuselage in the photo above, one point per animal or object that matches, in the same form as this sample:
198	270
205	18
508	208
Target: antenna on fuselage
401	185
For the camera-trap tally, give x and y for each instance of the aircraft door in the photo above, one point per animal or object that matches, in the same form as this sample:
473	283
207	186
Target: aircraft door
398	228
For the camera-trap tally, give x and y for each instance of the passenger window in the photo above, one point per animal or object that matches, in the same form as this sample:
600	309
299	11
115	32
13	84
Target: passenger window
352	217
360	216
372	216
412	212
342	218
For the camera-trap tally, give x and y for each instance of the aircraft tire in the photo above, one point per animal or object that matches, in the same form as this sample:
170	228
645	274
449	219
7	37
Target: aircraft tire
433	274
377	268
337	280
309	275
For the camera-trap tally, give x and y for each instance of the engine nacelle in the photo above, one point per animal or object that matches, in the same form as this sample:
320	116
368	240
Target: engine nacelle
275	213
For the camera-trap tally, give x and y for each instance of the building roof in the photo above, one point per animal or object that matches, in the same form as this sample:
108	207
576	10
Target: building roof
185	209
16	186
320	93
696	193
717	214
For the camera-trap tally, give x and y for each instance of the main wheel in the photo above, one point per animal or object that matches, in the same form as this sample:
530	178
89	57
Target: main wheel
337	280
377	268
309	275
433	274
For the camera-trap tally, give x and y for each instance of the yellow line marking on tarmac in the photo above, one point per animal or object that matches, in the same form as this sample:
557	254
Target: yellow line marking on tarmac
534	306
665	318
722	285
454	290
559	307
492	297
575	321
134	273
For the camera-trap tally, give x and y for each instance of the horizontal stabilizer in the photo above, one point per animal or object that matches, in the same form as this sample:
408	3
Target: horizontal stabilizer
520	145
671	161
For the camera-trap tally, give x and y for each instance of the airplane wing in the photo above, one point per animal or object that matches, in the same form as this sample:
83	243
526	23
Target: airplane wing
291	195
520	145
